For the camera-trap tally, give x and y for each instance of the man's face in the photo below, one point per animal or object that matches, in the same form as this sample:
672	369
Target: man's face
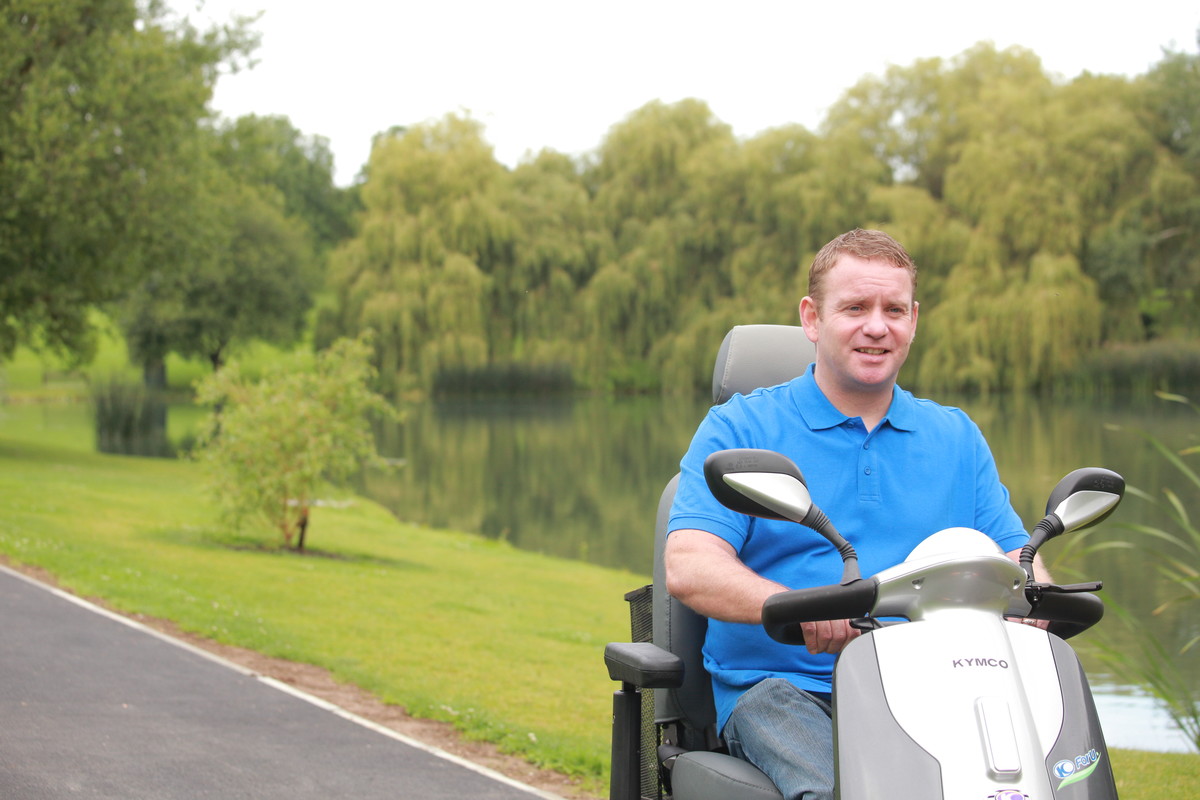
865	325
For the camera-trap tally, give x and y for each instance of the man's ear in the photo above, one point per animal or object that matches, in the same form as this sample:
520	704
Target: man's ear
808	318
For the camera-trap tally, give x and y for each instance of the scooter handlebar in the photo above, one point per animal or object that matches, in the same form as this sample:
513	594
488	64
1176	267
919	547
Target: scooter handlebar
783	613
1069	613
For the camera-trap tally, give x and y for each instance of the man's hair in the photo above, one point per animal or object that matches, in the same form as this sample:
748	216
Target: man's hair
869	244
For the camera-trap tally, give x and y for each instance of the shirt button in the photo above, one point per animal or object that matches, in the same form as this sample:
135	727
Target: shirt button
867	471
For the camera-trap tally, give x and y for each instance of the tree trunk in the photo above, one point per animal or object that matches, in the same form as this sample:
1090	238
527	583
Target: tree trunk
302	527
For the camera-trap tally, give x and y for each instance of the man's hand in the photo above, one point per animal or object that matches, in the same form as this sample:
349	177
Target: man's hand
828	636
1044	624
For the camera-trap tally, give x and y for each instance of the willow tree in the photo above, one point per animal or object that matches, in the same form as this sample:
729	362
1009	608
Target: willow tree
1022	172
561	243
1165	228
761	212
913	116
1044	166
641	180
432	232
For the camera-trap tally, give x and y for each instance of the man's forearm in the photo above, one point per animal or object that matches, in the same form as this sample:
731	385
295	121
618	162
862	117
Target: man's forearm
706	575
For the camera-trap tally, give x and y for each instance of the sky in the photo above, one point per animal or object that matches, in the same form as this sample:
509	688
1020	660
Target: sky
559	74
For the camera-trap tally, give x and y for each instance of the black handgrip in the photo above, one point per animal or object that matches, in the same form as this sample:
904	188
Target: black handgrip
782	613
1069	614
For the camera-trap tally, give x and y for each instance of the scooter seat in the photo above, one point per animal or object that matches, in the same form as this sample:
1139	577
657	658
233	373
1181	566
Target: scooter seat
702	775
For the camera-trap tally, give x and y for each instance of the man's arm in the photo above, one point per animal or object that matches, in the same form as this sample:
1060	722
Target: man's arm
705	574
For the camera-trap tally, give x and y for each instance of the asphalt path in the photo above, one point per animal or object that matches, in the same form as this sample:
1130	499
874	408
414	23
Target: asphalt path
93	705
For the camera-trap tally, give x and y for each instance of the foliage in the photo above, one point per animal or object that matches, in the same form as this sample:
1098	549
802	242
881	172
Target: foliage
249	274
270	154
271	444
418	273
247	261
1049	219
1177	560
99	109
1158	364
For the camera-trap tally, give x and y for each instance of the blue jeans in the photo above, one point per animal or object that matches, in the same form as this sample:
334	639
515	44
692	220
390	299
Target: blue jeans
788	734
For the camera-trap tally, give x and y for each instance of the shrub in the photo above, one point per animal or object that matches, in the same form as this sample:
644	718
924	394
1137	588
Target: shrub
271	444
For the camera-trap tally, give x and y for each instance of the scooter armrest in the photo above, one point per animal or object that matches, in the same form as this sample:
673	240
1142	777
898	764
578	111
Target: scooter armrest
644	665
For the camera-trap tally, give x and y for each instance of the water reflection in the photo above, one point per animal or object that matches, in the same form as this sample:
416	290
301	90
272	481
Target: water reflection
580	478
572	478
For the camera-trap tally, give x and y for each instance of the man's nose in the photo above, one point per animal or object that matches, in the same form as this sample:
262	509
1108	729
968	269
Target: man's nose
875	325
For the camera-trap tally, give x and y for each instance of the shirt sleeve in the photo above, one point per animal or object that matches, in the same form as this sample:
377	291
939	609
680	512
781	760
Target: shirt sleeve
694	506
994	512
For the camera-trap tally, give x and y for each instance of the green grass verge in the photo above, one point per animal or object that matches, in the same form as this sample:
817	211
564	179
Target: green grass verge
504	644
1156	776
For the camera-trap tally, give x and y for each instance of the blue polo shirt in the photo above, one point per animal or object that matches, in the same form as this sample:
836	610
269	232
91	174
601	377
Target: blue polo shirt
924	468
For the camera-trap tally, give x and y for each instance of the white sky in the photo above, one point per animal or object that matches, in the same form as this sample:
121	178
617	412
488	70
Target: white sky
560	73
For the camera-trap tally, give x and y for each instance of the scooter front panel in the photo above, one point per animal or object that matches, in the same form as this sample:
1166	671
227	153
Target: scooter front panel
954	685
872	753
1078	762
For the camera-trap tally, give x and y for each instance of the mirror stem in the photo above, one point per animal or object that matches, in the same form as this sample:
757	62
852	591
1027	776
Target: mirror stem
1047	529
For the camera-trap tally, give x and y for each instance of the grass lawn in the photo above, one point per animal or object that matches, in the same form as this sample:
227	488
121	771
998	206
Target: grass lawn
503	643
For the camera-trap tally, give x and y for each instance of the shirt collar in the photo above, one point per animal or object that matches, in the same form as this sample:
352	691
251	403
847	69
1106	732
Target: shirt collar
820	414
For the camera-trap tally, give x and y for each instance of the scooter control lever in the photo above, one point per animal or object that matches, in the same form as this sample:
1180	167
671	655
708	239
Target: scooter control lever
1070	588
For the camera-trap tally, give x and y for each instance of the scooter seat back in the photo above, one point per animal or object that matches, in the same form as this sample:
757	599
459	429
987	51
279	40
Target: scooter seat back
754	356
681	631
683	719
750	357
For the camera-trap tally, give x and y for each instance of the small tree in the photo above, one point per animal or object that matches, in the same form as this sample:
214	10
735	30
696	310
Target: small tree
271	444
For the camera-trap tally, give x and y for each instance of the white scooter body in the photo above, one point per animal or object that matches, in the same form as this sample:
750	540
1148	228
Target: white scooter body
960	698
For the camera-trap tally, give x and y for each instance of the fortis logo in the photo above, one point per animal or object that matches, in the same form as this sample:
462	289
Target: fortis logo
999	663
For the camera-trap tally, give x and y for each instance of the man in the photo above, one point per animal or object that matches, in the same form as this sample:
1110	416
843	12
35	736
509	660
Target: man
887	468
